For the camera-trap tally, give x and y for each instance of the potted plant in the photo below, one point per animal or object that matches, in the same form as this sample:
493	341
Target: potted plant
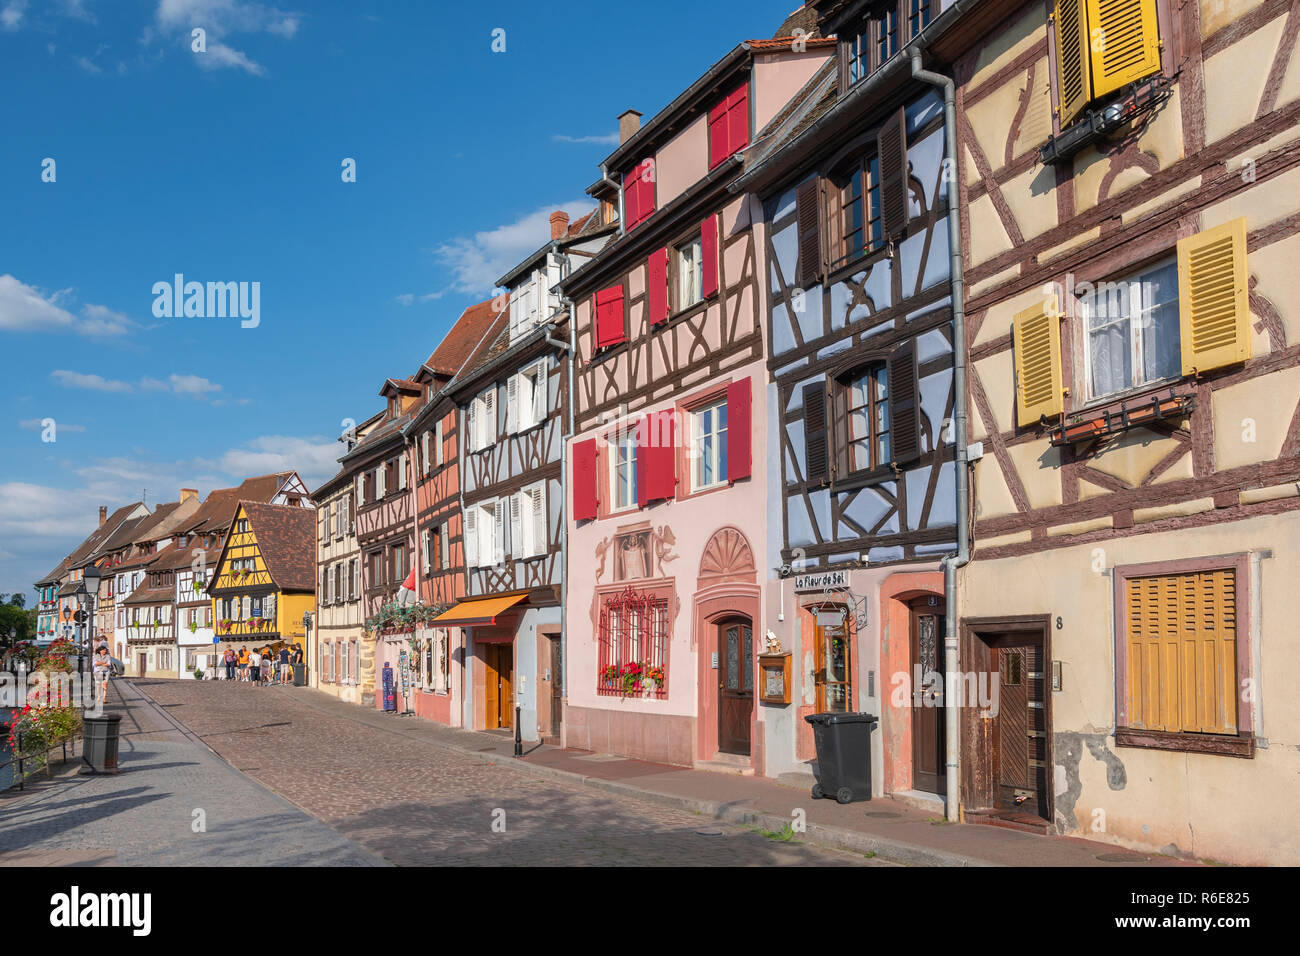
194	626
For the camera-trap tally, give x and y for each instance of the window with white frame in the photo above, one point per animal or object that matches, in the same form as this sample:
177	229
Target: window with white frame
868	408
481	420
690	274
709	433
622	467
527	395
528	521
485	534
1131	331
524	314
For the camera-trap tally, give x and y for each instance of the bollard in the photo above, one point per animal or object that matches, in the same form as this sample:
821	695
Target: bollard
519	743
21	775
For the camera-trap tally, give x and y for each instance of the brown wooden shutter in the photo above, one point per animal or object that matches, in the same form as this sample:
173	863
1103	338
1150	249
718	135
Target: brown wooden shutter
904	404
840	451
891	146
807	200
816	450
1214	298
1073	61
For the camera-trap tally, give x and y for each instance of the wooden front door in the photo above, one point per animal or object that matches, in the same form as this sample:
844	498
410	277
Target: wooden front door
144	664
498	686
557	687
929	753
1020	728
735	684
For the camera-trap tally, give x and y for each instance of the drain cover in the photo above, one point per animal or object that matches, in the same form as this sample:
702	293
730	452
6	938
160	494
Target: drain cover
1122	857
709	831
884	814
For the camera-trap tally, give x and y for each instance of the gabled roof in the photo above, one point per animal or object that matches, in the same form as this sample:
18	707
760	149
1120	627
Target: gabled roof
486	350
53	577
286	538
86	551
218	509
144	594
464	337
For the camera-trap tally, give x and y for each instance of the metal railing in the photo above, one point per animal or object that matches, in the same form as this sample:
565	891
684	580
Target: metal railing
20	758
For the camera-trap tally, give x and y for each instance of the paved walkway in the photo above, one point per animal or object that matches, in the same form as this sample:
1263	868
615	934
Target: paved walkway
146	814
415	774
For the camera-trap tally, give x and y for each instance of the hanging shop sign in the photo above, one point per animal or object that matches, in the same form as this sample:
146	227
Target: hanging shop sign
825	580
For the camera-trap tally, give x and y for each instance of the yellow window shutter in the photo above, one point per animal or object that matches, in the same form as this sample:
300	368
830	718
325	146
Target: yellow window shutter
1073	67
1125	42
1213	298
1036	345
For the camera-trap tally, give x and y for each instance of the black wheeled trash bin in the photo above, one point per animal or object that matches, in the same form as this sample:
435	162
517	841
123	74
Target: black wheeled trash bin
843	755
99	743
299	675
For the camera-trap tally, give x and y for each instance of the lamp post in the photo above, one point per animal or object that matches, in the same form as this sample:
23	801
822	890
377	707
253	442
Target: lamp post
90	578
306	649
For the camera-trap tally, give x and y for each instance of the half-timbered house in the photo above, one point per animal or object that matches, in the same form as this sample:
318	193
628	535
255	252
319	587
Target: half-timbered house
264	580
1130	196
340	618
385	530
860	454
434	436
667	478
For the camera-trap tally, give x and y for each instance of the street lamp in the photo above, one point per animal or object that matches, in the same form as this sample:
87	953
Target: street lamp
89	592
306	649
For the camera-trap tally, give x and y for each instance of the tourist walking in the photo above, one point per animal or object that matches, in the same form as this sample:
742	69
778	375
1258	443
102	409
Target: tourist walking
231	661
103	668
254	666
285	670
243	663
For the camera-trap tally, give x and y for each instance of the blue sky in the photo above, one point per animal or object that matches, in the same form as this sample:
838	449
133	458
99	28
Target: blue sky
224	165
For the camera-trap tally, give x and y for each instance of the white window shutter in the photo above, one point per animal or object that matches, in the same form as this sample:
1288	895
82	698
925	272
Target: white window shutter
539	519
381	481
470	536
424	451
490	417
540	397
517	548
471	425
345	513
437	442
424	547
498	531
514	420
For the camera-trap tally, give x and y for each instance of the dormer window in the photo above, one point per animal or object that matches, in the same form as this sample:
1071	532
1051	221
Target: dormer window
887	28
729	125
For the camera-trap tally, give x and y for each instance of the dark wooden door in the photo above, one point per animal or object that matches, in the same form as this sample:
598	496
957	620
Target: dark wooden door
144	664
929	753
1020	728
557	687
735	684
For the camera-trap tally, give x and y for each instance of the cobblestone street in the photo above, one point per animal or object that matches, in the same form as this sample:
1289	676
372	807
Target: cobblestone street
417	803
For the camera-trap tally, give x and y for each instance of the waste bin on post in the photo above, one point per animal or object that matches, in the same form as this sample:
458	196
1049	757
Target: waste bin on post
99	743
843	744
299	675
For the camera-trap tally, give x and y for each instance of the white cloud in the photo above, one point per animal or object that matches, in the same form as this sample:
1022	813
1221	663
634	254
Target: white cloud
315	458
11	14
222	19
23	308
185	386
87	65
608	139
476	262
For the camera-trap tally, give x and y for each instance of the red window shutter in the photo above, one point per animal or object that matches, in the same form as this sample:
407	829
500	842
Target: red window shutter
610	325
631	194
709	253
738	119
739	417
639	192
656	458
657	289
584	480
719	134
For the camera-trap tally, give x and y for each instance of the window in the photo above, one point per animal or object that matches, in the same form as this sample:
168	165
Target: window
611	321
526	397
325	524
426	549
729	125
834	674
1087	70
690	274
709	449
342	524
868	427
633	644
524	313
376	568
869	47
855	211
401	472
485	534
622	461
355	592
528	521
639	193
399	564
1183	655
1131	329
241	527
481	420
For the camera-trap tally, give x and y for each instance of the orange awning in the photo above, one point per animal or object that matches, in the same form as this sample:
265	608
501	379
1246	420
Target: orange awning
473	611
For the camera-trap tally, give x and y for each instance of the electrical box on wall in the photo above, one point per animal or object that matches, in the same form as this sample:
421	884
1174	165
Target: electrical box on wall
1056	675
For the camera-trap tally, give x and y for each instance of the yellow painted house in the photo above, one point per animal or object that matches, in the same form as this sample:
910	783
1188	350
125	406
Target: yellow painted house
265	579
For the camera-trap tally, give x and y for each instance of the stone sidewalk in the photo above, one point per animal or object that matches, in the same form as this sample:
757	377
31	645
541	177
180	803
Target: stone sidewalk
146	815
888	829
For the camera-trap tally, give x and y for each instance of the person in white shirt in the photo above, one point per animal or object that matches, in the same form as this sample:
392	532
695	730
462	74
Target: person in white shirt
254	666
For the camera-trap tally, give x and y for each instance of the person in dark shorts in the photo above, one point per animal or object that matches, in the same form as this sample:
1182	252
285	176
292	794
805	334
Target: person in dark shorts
254	666
286	672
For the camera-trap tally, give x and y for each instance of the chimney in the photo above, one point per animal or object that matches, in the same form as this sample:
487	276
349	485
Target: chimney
629	121
103	514
559	223
188	493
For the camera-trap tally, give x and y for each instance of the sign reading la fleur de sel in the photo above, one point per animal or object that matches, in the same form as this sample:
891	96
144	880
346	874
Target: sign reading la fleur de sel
821	581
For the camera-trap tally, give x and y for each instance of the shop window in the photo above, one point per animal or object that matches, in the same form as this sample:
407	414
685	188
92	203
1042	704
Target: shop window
834	675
